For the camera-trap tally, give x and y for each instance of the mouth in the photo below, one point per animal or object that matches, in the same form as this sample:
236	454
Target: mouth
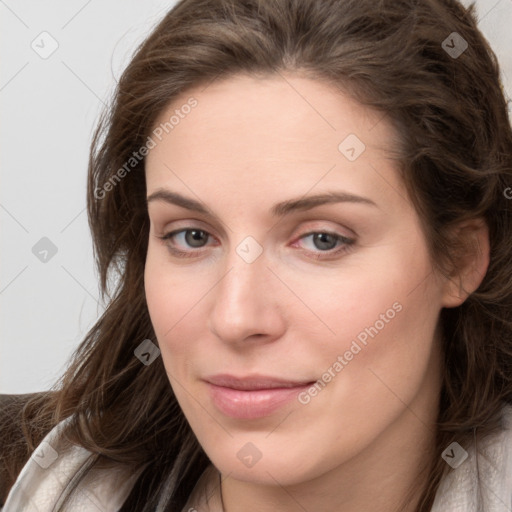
252	397
253	383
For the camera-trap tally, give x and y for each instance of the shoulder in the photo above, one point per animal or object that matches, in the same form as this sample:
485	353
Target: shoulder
14	451
50	469
483	473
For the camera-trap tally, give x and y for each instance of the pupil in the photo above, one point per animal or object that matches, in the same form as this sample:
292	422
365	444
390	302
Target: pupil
196	237
321	238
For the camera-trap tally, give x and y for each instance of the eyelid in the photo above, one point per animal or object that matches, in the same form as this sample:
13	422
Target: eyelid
307	228
319	226
314	225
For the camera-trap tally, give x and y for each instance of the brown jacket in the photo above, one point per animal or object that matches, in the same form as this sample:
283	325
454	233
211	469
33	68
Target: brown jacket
11	438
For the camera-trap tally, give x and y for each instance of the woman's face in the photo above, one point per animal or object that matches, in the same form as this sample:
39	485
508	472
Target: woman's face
298	333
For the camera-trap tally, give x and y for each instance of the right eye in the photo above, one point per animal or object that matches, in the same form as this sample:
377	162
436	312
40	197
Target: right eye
191	236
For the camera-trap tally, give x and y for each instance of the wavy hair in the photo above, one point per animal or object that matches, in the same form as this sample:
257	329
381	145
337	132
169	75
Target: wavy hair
455	159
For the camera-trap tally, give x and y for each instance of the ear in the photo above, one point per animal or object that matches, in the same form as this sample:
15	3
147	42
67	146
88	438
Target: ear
472	262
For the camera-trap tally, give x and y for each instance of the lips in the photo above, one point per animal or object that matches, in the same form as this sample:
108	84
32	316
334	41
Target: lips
252	397
254	382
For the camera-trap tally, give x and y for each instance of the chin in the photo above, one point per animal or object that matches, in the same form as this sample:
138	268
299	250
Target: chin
240	461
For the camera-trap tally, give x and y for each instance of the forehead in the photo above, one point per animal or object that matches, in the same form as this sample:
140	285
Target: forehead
294	108
265	133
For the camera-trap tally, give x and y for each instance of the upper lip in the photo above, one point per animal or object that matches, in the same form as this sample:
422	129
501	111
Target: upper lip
254	382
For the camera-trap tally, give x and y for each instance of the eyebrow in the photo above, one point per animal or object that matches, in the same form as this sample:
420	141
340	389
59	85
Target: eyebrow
278	210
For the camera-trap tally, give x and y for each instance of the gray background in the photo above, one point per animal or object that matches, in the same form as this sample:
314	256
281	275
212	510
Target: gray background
49	107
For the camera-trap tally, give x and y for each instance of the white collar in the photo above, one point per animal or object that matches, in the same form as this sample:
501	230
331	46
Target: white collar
52	466
485	476
54	463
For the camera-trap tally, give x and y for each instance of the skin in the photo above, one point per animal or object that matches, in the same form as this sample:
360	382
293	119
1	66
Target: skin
248	144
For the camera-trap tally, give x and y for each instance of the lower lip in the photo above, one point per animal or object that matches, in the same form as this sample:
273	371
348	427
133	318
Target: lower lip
252	404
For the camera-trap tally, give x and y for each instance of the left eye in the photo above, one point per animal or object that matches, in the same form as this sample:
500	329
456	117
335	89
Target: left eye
323	241
195	240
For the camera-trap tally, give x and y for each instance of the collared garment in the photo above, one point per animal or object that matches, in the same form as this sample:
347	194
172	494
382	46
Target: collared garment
484	477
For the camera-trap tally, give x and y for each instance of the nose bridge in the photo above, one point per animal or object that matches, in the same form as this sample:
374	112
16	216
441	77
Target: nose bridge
242	299
246	268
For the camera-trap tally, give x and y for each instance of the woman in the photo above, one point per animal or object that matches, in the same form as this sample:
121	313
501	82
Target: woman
306	205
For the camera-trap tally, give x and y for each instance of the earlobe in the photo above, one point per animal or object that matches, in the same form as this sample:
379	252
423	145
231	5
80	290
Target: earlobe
473	261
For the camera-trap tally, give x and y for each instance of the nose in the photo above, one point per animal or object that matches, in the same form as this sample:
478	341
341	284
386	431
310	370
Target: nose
246	303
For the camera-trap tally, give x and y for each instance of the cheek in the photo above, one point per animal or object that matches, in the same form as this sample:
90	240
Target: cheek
166	298
170	312
176	300
387	292
385	324
382	322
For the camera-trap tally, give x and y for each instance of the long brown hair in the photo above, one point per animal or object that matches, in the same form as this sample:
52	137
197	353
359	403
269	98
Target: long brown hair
455	158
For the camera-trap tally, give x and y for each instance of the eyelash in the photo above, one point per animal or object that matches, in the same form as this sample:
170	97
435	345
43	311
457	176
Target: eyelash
347	244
